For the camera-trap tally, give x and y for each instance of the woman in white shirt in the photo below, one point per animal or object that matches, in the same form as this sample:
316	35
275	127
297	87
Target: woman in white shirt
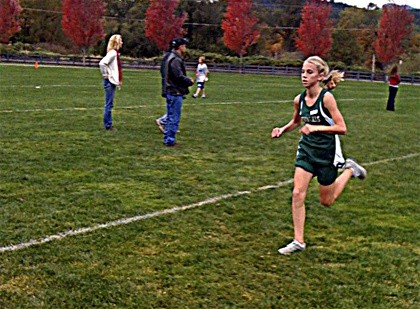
111	72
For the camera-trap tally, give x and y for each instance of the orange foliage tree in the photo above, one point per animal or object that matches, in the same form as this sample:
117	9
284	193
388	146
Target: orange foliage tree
82	22
161	24
9	20
240	26
315	30
395	25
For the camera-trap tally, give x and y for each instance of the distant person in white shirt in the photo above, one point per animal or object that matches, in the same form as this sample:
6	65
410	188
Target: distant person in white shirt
201	78
111	71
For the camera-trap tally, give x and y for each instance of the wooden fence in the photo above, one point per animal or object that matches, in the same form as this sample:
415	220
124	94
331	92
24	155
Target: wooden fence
191	66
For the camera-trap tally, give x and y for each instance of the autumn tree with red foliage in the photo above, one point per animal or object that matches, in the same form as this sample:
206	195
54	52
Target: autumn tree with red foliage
240	26
9	19
315	30
395	26
161	23
82	22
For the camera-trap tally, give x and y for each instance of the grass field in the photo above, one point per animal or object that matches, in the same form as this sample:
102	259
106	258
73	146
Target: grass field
97	219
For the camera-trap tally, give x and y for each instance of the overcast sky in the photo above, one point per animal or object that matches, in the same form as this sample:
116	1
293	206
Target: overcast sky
380	3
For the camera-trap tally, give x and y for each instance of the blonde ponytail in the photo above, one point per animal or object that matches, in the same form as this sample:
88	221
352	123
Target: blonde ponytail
332	80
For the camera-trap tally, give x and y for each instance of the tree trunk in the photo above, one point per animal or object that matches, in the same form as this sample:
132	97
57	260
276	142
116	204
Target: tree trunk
84	55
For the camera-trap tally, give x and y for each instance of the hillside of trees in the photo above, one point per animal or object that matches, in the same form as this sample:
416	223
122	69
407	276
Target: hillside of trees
353	31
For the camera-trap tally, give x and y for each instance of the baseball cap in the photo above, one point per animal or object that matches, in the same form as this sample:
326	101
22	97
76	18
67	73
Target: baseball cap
177	42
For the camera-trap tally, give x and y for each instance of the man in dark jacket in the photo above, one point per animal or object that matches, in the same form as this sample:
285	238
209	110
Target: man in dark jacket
175	83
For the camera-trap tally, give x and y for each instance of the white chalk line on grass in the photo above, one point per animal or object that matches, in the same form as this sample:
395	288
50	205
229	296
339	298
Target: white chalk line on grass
50	86
411	155
176	209
41	110
45	110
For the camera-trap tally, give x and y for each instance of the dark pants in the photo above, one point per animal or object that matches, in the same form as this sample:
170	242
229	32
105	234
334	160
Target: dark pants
391	98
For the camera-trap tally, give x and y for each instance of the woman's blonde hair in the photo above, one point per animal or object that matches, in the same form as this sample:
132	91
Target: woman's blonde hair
114	42
331	79
319	63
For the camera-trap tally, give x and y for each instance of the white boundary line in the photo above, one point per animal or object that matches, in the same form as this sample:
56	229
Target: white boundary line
411	155
41	110
176	209
10	111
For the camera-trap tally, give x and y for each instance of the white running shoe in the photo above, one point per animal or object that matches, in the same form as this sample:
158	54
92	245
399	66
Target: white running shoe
161	126
292	247
357	169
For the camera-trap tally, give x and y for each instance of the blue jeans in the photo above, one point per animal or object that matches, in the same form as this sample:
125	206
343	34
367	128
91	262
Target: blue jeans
109	103
173	111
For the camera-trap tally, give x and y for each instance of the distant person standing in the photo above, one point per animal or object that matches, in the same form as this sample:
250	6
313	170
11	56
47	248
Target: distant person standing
111	71
161	121
394	81
175	83
201	78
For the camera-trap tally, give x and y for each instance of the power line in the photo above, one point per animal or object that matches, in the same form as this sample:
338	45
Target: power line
42	10
199	24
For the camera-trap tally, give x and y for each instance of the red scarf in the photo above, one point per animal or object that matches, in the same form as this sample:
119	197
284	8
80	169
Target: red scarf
119	66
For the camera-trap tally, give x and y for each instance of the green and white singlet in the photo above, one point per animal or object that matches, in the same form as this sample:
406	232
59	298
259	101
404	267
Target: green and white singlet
318	148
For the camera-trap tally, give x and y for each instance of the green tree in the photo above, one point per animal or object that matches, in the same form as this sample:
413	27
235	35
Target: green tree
203	26
118	12
133	29
412	59
358	27
345	48
283	18
127	18
42	23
